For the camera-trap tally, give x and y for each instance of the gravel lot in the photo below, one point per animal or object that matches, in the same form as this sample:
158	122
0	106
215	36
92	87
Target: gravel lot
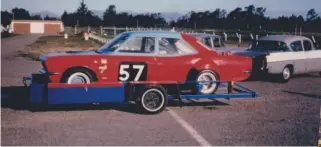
285	114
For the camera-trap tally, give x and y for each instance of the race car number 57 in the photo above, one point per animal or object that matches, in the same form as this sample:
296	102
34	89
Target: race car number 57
132	72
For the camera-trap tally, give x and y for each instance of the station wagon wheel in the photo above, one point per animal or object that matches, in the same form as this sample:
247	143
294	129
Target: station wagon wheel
207	76
153	99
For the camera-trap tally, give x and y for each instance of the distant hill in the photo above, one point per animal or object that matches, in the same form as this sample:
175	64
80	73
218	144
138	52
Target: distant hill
44	13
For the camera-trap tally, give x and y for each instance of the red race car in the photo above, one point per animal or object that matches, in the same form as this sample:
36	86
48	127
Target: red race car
147	56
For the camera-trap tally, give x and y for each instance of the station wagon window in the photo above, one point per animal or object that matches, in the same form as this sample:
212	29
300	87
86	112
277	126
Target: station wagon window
174	46
307	45
297	46
138	45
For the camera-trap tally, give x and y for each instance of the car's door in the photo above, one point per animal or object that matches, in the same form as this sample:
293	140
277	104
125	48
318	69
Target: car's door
299	57
313	57
134	60
174	58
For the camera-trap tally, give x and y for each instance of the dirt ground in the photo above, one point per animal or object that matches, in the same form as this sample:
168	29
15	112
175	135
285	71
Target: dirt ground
50	44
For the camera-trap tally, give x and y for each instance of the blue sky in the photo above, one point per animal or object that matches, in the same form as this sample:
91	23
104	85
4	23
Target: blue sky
182	6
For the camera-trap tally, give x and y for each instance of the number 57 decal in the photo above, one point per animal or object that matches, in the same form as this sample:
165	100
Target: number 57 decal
132	72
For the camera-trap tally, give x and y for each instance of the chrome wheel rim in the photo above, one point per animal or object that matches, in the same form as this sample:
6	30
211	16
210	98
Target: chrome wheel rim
204	80
153	100
78	78
286	73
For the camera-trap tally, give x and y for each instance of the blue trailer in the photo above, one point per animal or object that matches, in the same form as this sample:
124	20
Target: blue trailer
151	96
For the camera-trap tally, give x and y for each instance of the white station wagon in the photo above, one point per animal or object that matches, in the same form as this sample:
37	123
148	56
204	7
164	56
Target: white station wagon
285	55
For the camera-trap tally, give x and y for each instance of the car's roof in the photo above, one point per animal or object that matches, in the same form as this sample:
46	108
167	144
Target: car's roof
283	38
155	33
201	35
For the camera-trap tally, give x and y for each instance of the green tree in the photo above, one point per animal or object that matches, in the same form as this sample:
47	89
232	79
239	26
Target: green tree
6	18
311	15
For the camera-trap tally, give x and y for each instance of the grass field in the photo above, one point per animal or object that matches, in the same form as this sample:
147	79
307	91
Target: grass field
54	44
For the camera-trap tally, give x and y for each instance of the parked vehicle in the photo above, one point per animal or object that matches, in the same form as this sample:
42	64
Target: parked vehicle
285	55
147	56
216	43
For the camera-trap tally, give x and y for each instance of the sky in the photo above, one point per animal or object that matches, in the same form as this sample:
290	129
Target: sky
181	6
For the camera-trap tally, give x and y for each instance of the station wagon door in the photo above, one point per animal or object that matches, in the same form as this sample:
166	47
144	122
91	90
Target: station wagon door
313	57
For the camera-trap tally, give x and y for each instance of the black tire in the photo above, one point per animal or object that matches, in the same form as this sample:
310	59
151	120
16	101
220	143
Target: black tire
213	89
286	74
320	74
153	93
89	78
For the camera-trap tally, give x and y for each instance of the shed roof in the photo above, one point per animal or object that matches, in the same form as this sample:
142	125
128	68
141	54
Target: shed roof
49	21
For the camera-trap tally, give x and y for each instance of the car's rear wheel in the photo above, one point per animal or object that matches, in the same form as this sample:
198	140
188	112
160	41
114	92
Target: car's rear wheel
207	82
77	76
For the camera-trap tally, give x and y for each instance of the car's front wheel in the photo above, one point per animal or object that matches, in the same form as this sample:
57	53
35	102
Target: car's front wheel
77	76
286	74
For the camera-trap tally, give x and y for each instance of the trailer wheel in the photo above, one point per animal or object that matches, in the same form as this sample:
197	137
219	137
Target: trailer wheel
153	99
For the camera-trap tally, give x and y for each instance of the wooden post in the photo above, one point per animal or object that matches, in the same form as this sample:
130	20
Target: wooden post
101	31
300	31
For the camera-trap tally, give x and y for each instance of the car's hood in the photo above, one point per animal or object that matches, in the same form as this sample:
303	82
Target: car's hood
68	53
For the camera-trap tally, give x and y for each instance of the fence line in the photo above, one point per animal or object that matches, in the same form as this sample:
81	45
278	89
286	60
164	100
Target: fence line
227	35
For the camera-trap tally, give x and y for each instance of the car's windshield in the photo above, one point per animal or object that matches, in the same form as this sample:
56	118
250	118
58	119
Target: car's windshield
269	45
113	44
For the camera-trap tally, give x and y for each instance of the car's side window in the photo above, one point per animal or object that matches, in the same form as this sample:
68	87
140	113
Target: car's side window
174	46
307	45
296	46
138	45
217	42
207	41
